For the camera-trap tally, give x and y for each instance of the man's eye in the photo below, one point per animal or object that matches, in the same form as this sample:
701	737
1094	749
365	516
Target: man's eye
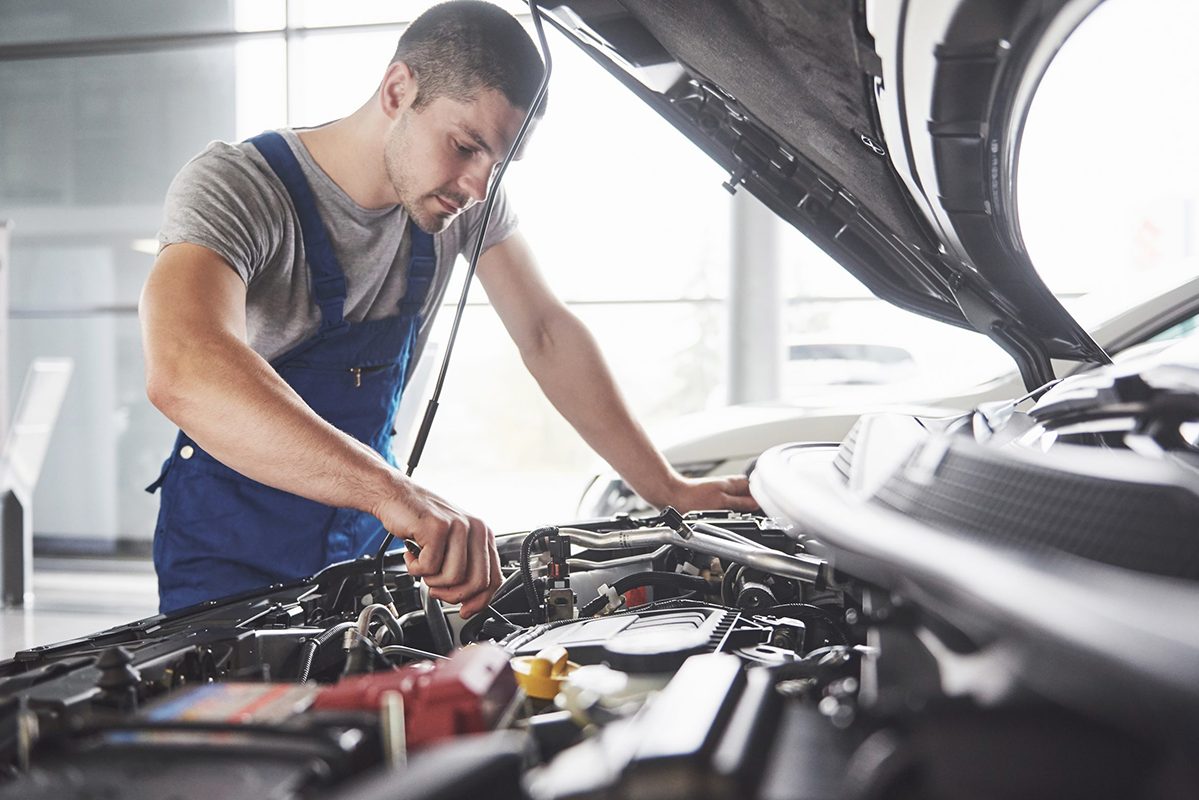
465	150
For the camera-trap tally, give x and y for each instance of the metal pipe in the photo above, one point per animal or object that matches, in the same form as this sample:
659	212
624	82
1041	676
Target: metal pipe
715	530
799	567
583	563
619	540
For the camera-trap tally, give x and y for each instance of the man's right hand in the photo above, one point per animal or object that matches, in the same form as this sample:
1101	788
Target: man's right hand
458	559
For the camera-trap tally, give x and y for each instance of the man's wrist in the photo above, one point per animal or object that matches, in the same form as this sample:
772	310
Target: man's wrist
666	490
382	484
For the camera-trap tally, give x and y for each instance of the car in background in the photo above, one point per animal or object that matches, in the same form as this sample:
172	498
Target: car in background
1125	321
845	363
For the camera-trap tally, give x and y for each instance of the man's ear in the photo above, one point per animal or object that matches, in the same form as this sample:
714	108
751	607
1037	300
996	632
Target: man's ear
398	89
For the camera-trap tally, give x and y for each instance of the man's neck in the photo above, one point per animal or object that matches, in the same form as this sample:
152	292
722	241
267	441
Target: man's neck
351	153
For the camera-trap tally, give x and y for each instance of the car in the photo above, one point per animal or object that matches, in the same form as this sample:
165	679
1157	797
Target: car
993	604
1147	314
845	362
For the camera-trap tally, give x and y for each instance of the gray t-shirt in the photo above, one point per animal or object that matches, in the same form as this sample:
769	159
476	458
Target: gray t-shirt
229	200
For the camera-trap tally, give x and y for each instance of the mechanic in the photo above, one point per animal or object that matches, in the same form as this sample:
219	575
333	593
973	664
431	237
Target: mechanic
296	278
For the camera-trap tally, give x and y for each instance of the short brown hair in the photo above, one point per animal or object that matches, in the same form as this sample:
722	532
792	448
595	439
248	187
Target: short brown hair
459	48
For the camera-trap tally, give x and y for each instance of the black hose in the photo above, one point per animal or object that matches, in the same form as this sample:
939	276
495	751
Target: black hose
313	645
439	628
476	626
665	580
526	570
392	624
500	605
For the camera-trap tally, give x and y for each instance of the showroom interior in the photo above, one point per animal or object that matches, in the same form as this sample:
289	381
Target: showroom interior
103	103
729	332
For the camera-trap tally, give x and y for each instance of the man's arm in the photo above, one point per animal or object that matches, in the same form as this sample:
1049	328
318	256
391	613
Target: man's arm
203	375
563	357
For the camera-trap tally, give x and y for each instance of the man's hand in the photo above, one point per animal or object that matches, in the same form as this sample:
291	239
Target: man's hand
458	559
709	494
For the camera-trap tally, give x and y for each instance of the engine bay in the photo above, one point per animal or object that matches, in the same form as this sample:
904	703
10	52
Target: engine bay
701	655
995	605
304	688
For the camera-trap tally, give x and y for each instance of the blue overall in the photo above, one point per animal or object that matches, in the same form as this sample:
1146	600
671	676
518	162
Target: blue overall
221	533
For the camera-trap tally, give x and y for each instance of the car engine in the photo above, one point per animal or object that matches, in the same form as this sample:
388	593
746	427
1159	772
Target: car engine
997	605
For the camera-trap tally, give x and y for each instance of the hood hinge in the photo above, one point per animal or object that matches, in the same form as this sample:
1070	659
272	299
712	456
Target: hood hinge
1036	369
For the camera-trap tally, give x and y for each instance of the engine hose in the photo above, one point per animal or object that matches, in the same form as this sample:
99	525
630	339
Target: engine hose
526	570
504	603
510	582
308	655
665	580
384	613
439	628
474	626
411	617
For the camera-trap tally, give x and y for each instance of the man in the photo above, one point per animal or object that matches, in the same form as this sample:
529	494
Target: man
295	282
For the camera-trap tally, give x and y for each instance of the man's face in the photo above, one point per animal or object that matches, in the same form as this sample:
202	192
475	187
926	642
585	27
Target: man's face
440	159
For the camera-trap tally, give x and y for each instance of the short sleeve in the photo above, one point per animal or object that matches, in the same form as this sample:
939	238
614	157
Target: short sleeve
222	200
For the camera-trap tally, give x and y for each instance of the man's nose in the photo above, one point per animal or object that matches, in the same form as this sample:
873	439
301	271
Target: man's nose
475	180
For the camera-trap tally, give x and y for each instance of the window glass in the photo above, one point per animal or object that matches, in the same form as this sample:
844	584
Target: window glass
88	147
334	73
30	21
112	130
322	13
1181	330
109	442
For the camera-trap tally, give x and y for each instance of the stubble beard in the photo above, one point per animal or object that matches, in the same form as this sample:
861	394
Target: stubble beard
394	160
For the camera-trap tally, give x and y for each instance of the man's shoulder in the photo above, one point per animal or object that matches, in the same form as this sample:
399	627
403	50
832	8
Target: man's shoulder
237	162
227	170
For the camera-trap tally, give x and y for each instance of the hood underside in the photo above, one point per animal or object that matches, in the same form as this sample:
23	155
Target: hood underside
794	100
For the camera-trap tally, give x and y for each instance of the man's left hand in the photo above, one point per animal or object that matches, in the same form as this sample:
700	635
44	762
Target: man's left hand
709	494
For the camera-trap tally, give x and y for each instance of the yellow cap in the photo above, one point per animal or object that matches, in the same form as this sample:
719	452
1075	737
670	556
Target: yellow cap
541	675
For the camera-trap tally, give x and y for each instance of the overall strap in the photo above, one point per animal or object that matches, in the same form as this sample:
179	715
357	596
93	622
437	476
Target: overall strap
422	264
328	280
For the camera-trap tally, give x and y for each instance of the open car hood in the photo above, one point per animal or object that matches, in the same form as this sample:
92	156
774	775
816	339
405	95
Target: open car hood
887	133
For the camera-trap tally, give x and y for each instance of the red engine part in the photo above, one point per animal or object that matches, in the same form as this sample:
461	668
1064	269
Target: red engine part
442	699
636	597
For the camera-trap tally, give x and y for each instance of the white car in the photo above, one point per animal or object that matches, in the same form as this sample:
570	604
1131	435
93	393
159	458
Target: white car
1124	320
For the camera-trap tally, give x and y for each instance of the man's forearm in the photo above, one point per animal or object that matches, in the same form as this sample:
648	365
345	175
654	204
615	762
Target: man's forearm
235	406
573	374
